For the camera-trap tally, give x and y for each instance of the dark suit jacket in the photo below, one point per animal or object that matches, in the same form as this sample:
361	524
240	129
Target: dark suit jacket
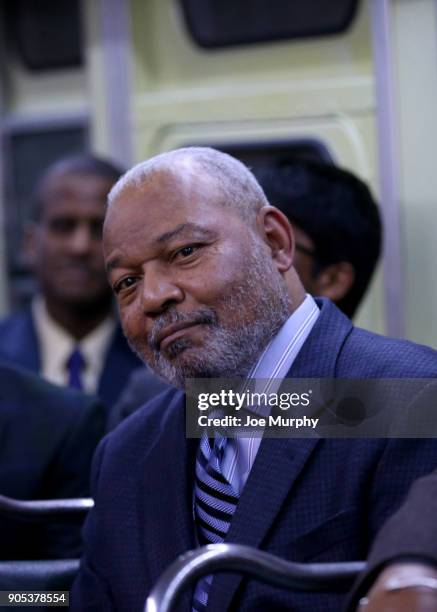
47	439
19	345
411	533
307	500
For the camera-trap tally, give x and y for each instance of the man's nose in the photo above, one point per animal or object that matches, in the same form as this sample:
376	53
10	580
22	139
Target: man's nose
159	292
81	240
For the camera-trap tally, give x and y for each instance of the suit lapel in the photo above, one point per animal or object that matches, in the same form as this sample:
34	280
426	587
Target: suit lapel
167	503
25	348
279	462
319	355
119	363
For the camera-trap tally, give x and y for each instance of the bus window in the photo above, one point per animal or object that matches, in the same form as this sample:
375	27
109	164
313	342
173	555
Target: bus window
223	23
44	35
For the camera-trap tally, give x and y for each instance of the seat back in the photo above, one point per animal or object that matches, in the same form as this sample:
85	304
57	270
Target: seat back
44	510
57	575
43	575
188	568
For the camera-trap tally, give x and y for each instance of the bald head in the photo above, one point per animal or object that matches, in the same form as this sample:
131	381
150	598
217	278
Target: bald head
74	165
235	185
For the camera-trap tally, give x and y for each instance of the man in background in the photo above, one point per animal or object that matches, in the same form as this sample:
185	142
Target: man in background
337	227
69	334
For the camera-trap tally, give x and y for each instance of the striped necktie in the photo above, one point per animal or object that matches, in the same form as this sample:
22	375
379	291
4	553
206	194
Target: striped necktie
215	501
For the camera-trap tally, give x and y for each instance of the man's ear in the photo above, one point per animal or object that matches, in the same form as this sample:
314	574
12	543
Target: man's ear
277	232
335	281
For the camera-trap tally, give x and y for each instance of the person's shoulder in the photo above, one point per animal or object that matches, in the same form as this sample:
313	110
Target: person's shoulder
18	339
19	322
120	347
22	383
23	387
373	355
142	386
45	417
147	422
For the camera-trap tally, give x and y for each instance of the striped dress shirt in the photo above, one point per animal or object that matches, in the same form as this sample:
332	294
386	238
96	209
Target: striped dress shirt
273	365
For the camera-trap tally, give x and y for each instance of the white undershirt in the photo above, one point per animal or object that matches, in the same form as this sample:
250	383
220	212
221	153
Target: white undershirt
56	346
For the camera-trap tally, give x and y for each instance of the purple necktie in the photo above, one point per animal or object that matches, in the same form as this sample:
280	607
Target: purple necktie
75	365
215	501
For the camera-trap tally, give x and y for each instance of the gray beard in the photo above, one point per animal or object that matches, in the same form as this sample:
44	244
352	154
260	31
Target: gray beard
227	352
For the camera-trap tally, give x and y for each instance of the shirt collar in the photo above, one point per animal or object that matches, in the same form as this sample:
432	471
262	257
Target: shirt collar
56	345
278	356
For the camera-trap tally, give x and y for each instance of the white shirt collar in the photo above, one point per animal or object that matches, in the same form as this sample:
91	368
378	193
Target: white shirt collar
278	356
56	346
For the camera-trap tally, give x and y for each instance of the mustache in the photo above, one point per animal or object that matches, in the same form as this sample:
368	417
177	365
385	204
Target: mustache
204	316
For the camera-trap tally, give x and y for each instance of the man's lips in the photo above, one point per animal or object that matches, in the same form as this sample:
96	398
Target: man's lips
172	332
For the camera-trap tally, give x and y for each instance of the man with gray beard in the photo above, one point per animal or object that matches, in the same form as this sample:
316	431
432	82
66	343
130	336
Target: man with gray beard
228	351
202	269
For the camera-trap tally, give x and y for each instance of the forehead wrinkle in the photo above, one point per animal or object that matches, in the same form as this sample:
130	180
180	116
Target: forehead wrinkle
181	229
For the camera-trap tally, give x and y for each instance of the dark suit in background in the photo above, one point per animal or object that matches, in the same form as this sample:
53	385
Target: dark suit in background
142	386
19	345
47	439
309	500
410	534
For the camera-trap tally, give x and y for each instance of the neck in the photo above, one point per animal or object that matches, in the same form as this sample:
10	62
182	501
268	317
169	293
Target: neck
78	320
295	288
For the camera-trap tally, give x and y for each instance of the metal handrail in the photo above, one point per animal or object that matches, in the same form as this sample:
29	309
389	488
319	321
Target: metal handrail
191	566
40	568
44	509
41	575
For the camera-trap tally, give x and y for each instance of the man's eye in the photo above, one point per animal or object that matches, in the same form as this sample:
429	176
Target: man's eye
186	251
125	283
96	228
62	225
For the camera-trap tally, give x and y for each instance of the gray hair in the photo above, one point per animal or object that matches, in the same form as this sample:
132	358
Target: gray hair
238	186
